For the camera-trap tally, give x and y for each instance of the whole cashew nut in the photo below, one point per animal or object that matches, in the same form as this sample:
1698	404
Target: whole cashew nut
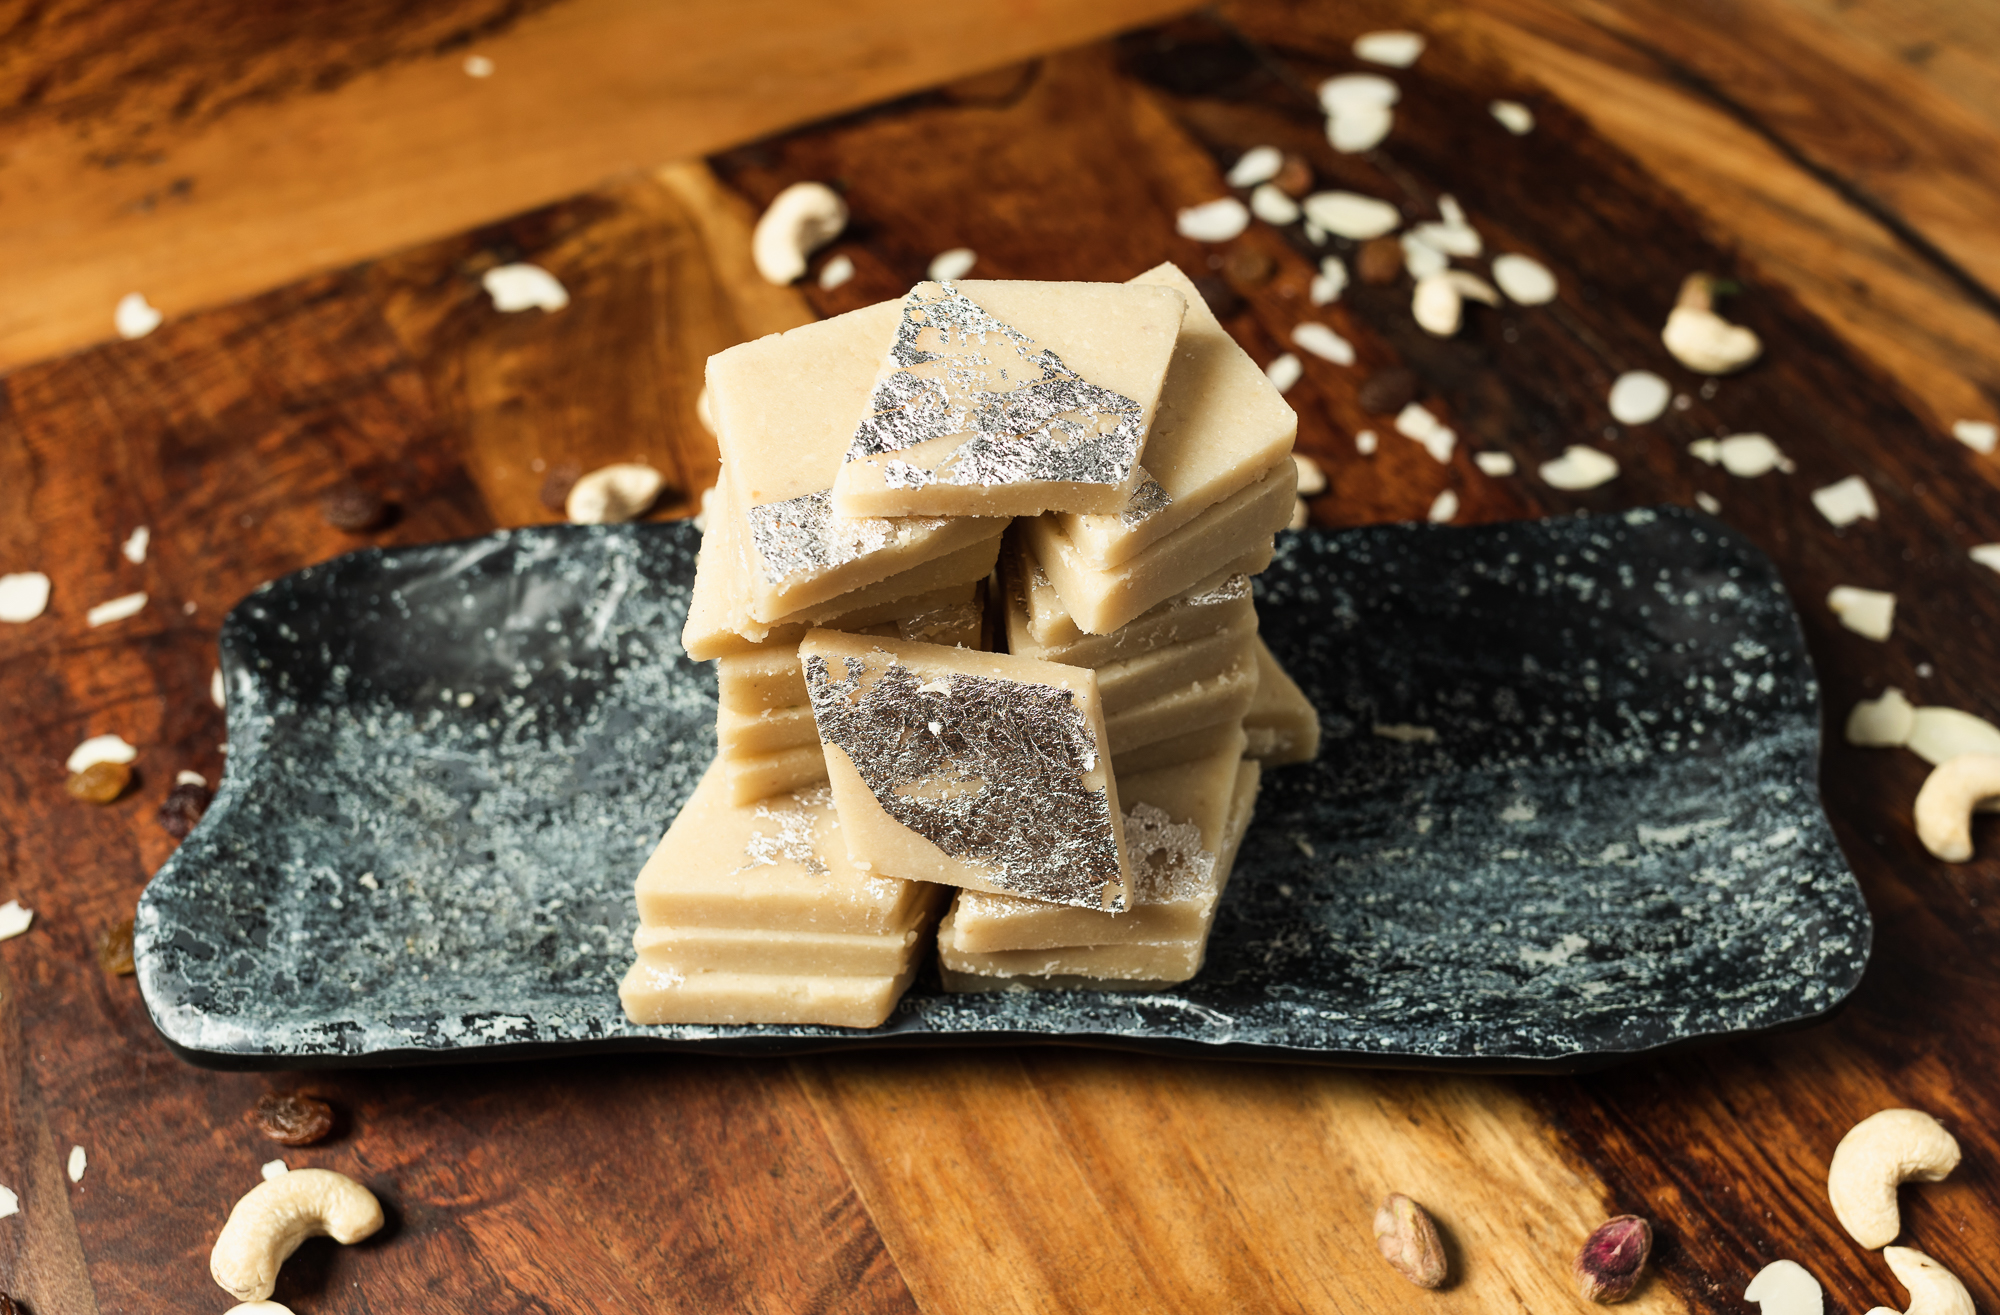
801	219
1945	804
1881	1151
260	1308
1934	1290
274	1217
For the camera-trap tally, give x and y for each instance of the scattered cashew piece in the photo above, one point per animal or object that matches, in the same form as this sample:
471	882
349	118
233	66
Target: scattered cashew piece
260	1308
613	494
1937	735
799	221
1886	1148
1702	340
1437	304
1945	804
1870	613
1881	723
1783	1287
1934	1290
275	1216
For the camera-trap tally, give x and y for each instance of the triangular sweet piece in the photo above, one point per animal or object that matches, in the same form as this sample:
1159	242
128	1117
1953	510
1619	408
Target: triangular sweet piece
1010	399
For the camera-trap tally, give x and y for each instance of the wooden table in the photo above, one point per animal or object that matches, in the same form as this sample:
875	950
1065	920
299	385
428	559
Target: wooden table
1837	159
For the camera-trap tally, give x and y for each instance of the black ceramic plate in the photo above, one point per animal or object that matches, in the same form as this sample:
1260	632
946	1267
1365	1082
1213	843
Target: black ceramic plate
1566	812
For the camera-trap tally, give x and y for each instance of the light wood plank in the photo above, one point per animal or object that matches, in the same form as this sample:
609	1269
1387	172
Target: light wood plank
272	191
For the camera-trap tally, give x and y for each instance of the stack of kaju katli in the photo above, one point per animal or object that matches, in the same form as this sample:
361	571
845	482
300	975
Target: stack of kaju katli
1085	790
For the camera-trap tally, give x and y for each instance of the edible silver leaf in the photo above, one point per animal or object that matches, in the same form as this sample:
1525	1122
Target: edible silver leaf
801	535
989	770
1235	587
1146	502
1025	416
1168	862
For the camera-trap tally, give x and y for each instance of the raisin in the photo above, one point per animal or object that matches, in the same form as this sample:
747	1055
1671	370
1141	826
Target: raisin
1387	391
1380	261
291	1118
562	477
114	954
1248	268
100	783
183	808
353	509
1295	178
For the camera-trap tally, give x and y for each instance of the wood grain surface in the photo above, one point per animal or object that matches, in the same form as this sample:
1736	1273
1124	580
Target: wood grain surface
1023	1179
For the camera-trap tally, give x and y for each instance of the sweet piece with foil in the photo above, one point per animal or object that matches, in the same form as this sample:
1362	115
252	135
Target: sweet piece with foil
765	739
785	407
753	914
1011	399
980	770
1185	826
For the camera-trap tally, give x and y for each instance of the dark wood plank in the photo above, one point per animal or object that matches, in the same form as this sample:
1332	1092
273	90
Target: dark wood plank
668	1185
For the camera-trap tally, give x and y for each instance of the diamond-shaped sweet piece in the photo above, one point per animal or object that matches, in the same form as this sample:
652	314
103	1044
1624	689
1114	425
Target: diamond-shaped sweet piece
1220	426
1010	399
785	408
981	770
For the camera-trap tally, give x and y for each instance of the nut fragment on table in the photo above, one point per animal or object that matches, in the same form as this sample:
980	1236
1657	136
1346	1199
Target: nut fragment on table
1783	1287
1408	1239
1878	1154
614	494
1881	723
1870	613
1525	280
353	509
1513	116
1259	164
799	221
1352	215
292	1118
14	919
1312	480
1213	221
1702	340
183	807
1934	1290
114	949
1947	800
1845	501
1612	1259
99	783
1579	468
24	595
275	1216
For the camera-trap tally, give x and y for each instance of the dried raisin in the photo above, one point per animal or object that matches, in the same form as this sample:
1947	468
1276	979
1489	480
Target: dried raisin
291	1118
114	954
100	783
183	808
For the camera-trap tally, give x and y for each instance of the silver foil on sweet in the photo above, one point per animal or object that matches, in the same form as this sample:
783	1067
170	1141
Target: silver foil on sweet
802	536
790	836
991	771
1146	502
1168	862
1235	587
1025	416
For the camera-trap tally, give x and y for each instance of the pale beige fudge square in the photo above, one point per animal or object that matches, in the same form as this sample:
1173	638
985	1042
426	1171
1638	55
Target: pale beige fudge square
1033	609
717	624
1178	749
1011	399
1221	423
780	865
1101	600
1176	823
785	408
1282	724
1222	698
690	950
769	676
756	776
980	770
1165	961
653	996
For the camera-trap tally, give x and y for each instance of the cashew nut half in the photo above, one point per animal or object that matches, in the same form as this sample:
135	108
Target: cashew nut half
1881	1151
275	1216
260	1308
801	219
1945	804
1934	1290
1702	340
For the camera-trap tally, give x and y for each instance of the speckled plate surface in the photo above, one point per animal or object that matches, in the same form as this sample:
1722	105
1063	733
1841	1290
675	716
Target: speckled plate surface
1566	812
